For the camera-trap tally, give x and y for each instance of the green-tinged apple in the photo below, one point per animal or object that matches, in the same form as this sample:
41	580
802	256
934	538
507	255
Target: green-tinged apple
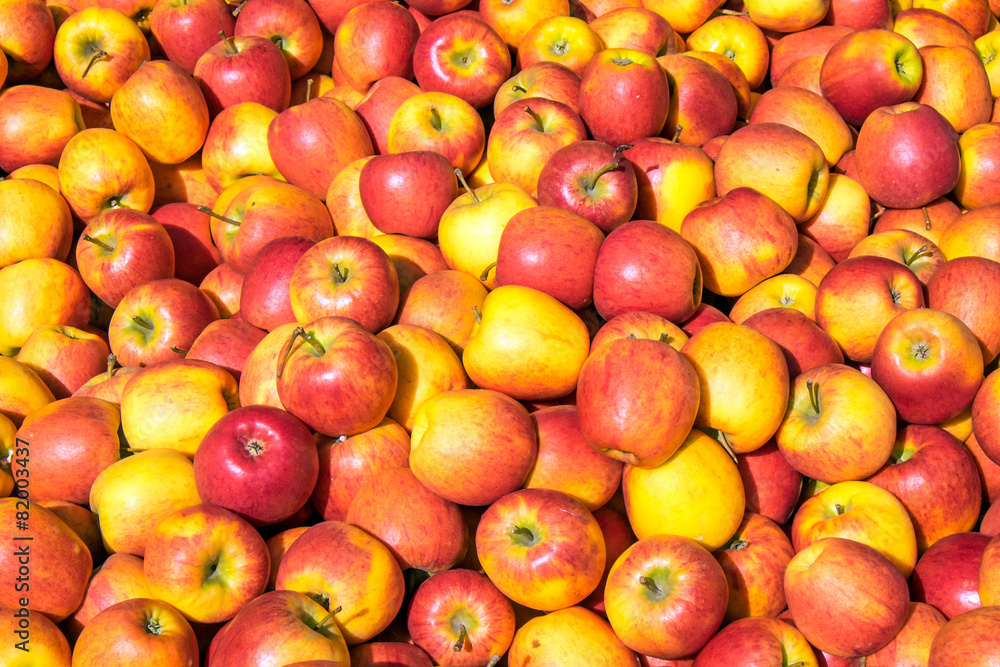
947	574
736	37
757	641
464	462
830	406
422	183
121	249
859	511
743	406
310	143
871	604
784	290
345	465
38	292
91	186
344	568
345	276
543	79
566	40
525	135
777	160
291	25
421	529
542	548
911	178
868	69
627	419
445	302
172	404
246	68
696	493
263	212
754	562
374	41
859	296
649	591
350	366
51	231
185	29
624	78
936	480
427	367
158	321
49	546
236	145
628	260
925	352
441	122
145	627
526	344
462	55
36	123
461	619
96	50
740	239
702	101
206	562
64	357
282	628
258	461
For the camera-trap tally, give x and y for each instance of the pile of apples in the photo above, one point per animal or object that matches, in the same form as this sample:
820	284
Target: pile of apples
519	332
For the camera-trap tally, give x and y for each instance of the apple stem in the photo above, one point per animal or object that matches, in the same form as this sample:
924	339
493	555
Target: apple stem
227	40
153	626
298	332
863	661
665	337
538	119
486	272
309	88
461	179
207	211
435	119
523	532
651	585
840	509
238	9
927	218
631	336
339	277
462	636
921	252
879	210
611	166
97	242
322	621
733	12
813	389
494	659
98	54
678	128
177	350
477	315
517	88
142	322
111	365
738	545
724	441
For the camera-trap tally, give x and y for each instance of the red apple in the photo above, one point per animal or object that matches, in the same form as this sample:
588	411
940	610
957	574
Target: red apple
420	182
247	68
624	96
947	574
185	30
771	484
190	234
374	41
265	299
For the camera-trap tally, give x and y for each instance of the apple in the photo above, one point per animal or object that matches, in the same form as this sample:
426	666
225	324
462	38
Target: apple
442	122
420	528
23	392
26	40
967	639
542	79
797	45
191	237
702	100
380	103
754	562
148	627
64	357
265	299
924	24
462	55
648	593
677	498
771	485
545	533
413	259
786	16
37	292
374	654
259	462
52	232
461	619
421	182
638	324
236	145
947	574
635	27
443	302
374	41
186	29
291	25
222	286
905	246
974	233
616	79
984	417
566	40
751	639
804	344
245	68
942	64
574	635
37	122
809	113
672	179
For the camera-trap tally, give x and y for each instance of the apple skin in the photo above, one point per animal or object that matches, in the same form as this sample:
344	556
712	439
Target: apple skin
620	413
871	605
52	233
809	113
679	613
984	417
379	104
989	582
962	286
421	528
796	45
464	609
754	562
65	358
543	79
623	78
702	101
236	145
903	245
37	122
259	462
222	286
771	485
247	68
265	300
947	574
442	302
190	235
421	182
141	626
968	640
906	178
292	25
935	478
639	324
646	248
377	654
573	635
375	41
804	344
856	82
758	640
27	36
413	259
185	30
343	566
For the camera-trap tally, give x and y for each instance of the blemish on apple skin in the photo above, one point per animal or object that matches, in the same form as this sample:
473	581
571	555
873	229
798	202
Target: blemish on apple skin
535	643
